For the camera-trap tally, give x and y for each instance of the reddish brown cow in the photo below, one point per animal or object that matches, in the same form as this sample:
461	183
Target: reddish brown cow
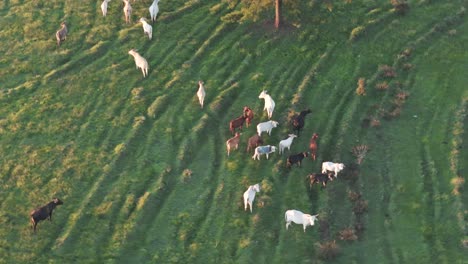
254	142
248	114
313	146
236	123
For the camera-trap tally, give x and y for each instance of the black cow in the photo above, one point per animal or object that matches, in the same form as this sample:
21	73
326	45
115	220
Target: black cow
319	178
44	212
298	122
297	158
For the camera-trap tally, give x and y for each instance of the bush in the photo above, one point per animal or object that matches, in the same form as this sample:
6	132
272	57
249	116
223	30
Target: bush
387	71
348	234
233	17
328	250
382	86
356	32
361	89
360	207
401	7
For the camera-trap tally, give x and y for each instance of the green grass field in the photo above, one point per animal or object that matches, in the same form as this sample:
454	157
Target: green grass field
80	123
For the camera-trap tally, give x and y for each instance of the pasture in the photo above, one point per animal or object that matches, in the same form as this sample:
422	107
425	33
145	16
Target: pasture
142	169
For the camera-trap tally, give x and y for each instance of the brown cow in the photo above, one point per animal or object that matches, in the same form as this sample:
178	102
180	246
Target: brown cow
236	123
254	142
249	115
313	146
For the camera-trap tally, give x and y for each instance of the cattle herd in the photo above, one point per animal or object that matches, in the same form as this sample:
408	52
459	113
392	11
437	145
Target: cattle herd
329	169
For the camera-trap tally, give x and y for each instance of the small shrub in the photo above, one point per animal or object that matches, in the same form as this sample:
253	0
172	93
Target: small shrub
266	186
361	89
401	7
119	148
360	152
382	86
457	183
256	219
354	196
452	32
360	207
405	54
387	71
356	32
137	121
348	234
401	96
233	17
375	122
186	175
245	242
359	227
464	243
328	250
407	66
137	92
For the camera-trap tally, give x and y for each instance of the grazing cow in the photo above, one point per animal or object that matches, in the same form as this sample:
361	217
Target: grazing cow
298	122
43	212
299	217
140	62
263	150
201	93
334	167
297	158
154	10
249	115
269	103
266	127
236	123
286	143
313	146
233	143
104	7
249	196
61	34
127	11
254	142
319	178
147	28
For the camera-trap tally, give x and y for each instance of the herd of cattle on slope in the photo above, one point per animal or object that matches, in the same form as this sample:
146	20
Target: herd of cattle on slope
329	169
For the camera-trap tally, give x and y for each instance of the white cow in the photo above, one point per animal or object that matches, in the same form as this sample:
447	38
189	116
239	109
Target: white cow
249	196
299	217
154	10
269	103
201	93
127	11
330	166
104	7
140	62
263	150
266	127
286	143
147	28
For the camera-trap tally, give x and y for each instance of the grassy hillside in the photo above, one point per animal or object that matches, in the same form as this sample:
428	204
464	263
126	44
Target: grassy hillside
143	170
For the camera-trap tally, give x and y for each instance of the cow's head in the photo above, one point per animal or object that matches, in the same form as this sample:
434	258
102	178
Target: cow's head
273	148
57	201
312	219
274	123
256	187
340	166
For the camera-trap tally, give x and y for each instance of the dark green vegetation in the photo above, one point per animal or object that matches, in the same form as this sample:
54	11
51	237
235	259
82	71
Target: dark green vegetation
79	122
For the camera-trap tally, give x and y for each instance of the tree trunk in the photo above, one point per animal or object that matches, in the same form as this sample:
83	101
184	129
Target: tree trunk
277	13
